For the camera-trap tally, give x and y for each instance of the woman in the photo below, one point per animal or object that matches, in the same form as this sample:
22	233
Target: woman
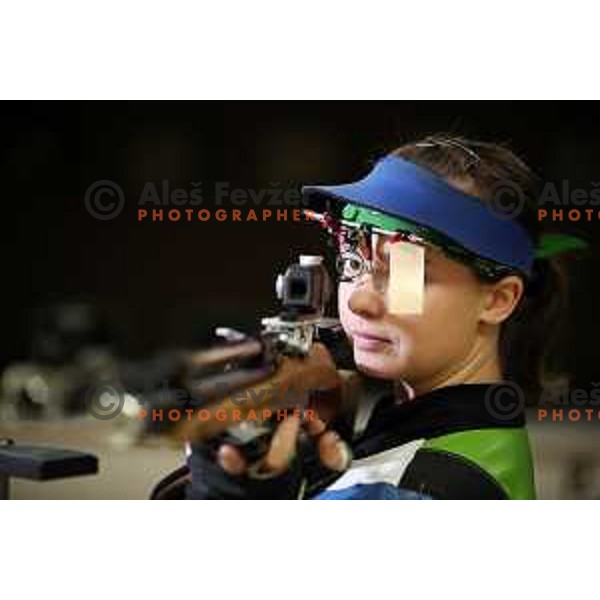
450	293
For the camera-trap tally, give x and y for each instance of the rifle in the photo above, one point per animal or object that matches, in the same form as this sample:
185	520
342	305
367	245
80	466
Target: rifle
238	388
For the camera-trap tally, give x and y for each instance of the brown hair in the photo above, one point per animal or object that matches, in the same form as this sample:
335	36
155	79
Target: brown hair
477	168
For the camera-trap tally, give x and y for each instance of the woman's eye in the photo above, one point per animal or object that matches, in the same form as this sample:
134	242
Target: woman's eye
350	265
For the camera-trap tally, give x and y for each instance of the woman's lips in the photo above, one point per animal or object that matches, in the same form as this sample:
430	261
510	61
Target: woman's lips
369	342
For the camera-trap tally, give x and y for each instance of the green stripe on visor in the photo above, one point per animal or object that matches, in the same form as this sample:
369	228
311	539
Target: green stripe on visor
367	216
361	215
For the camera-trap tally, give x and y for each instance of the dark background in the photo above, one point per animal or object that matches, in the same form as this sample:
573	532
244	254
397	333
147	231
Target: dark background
167	284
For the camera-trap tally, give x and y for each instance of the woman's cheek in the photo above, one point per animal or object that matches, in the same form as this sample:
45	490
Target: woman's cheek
345	314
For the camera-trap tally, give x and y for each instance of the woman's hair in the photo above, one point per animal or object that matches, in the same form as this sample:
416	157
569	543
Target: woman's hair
479	168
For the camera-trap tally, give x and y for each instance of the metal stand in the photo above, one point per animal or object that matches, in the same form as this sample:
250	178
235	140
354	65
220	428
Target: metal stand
41	463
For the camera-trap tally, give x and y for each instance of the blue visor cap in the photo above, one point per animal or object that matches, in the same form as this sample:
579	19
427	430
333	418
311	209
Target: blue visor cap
403	189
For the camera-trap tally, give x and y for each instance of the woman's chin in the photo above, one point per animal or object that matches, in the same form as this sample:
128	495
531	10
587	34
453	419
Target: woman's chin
377	364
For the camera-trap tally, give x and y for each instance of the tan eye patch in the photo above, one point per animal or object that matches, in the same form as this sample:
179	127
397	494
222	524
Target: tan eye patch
406	284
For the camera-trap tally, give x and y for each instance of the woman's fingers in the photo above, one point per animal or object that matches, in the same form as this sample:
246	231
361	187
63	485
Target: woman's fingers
333	451
278	458
231	460
315	426
283	446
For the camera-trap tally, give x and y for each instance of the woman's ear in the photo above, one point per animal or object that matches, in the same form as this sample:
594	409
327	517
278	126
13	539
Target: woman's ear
501	299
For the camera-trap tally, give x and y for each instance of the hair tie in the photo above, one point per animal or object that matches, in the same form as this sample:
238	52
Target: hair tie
555	244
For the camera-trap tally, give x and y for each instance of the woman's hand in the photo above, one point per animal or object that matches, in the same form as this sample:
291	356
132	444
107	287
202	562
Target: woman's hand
278	475
228	474
332	450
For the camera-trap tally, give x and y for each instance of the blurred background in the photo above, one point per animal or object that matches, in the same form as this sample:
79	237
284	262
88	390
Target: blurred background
81	294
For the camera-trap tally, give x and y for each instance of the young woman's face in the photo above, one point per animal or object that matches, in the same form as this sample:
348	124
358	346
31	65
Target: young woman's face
416	348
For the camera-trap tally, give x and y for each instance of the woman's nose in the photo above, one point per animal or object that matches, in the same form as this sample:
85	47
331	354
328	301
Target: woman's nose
367	303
